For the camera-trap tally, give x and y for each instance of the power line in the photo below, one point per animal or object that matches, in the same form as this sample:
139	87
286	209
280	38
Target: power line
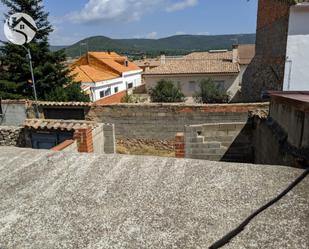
228	237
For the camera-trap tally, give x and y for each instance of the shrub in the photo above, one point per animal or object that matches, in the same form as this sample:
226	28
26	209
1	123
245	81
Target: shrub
166	92
211	93
131	98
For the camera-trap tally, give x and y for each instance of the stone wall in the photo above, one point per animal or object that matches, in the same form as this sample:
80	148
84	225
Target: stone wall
230	142
266	71
163	121
11	136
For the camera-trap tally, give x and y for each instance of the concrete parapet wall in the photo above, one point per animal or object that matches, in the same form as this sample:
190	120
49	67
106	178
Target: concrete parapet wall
293	120
98	139
219	142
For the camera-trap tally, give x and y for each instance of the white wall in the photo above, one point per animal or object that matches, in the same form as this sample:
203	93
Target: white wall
297	64
134	77
230	83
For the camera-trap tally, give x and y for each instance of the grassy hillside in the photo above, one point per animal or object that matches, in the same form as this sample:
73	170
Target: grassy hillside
180	44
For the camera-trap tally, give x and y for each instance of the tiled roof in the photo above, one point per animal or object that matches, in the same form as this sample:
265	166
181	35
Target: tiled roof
227	55
68	125
246	53
148	62
114	60
100	66
198	63
68	104
112	99
86	73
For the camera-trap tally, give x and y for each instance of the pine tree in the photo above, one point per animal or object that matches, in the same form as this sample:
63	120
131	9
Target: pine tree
53	79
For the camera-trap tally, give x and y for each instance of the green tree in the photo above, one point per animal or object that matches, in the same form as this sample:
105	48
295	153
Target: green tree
211	93
50	73
166	92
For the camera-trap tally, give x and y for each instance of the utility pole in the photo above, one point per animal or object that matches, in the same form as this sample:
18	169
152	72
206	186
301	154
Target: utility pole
33	84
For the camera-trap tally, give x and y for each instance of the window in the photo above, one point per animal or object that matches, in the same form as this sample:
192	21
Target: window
192	85
116	89
130	85
220	84
22	26
105	93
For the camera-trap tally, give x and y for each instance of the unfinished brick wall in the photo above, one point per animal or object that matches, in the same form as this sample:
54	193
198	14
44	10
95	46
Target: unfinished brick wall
84	140
231	142
180	145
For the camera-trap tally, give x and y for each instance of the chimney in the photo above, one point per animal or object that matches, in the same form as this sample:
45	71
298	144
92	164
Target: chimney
235	54
163	59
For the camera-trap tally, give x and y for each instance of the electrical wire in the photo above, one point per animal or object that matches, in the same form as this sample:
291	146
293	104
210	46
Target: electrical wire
228	237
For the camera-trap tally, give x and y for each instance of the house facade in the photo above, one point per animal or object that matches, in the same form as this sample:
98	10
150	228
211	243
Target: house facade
104	74
281	46
222	66
296	77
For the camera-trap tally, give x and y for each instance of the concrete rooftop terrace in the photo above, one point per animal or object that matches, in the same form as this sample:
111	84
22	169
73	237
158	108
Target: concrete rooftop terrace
63	200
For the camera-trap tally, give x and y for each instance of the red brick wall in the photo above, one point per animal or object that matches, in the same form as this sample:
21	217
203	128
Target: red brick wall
270	11
84	140
180	145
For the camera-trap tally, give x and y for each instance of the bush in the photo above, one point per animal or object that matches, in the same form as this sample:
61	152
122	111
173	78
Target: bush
166	92
129	98
211	93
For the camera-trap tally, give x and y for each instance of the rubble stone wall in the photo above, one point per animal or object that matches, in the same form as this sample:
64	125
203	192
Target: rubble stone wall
12	136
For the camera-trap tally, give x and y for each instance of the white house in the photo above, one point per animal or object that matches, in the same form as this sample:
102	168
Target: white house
106	73
297	54
224	67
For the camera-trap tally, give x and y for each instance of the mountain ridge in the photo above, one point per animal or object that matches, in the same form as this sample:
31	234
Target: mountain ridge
173	45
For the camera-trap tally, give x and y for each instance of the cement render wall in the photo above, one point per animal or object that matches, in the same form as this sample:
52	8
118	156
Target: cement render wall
163	121
294	122
14	112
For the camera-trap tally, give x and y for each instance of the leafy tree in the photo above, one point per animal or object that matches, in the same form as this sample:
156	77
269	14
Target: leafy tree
211	93
166	92
50	73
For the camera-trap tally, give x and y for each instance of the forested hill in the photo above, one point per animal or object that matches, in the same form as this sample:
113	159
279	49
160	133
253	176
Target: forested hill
180	44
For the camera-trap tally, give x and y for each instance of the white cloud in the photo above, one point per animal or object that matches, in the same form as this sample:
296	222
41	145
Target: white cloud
152	35
203	33
180	33
103	10
181	5
124	10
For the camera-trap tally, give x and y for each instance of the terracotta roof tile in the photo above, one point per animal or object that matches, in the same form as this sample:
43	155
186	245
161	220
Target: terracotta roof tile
198	63
68	104
100	66
54	124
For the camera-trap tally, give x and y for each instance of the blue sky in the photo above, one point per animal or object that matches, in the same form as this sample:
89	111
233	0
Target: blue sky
77	19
